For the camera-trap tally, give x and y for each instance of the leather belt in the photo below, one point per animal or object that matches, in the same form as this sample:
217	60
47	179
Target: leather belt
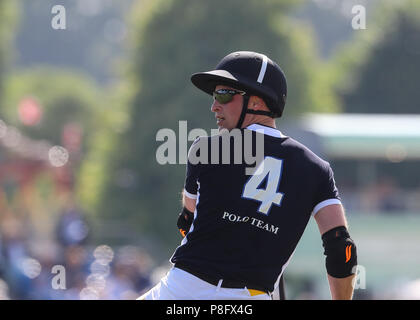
254	290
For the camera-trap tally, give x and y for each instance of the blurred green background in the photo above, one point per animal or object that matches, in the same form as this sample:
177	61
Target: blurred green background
80	108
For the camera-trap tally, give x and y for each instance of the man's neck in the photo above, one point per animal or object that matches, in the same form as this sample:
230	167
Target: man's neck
258	119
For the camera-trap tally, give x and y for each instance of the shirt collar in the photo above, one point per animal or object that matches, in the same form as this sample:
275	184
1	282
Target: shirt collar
266	130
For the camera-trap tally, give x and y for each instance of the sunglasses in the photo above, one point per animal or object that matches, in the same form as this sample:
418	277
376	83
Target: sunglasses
224	96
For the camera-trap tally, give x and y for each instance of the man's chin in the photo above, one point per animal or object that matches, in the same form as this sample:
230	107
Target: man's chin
223	129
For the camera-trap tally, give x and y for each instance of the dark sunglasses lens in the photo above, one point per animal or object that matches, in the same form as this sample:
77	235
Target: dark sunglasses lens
223	97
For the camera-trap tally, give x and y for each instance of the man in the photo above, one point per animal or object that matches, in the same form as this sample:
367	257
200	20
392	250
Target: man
240	230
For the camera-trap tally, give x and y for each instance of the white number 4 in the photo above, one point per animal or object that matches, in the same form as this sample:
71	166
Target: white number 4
270	169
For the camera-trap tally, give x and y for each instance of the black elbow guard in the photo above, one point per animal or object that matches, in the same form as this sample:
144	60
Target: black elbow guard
185	220
340	251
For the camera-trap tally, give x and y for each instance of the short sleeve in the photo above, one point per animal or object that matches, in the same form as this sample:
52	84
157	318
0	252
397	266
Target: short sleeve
327	192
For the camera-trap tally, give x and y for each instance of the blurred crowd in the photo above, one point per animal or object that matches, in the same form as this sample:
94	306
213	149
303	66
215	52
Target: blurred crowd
384	196
67	266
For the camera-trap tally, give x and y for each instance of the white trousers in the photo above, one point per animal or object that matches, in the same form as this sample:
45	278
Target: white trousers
178	284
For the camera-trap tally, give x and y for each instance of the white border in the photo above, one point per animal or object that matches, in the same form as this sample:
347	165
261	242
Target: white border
190	195
323	204
265	130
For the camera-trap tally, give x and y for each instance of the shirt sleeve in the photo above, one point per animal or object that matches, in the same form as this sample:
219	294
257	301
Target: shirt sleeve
191	176
327	192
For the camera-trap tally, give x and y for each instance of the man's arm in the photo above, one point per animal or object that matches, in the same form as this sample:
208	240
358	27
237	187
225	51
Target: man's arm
189	193
186	216
328	218
188	203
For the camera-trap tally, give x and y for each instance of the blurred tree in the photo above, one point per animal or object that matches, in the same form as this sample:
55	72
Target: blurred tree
44	102
93	38
172	40
55	105
64	108
378	70
331	21
8	20
109	123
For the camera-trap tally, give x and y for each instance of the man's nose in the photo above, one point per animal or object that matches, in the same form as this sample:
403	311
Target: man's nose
215	106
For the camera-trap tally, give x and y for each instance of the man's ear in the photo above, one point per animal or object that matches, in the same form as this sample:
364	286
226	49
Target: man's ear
256	103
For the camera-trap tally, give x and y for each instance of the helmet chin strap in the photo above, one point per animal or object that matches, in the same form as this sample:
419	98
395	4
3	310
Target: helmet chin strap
245	110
